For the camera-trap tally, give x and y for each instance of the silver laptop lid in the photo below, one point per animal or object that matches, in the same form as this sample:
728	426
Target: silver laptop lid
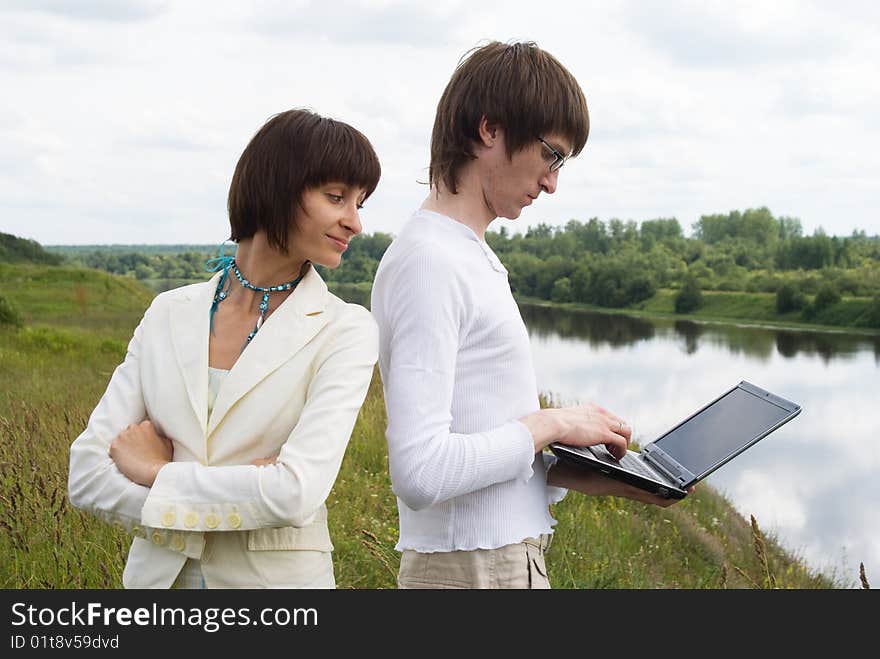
719	431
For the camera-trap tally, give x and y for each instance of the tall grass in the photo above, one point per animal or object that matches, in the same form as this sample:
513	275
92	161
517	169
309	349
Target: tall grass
50	381
54	370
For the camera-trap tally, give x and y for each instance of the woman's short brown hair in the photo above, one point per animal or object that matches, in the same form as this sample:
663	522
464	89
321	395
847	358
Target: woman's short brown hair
518	86
292	152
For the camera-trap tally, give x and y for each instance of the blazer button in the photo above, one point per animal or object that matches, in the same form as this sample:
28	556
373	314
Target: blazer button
168	518
234	520
158	538
190	520
212	521
178	543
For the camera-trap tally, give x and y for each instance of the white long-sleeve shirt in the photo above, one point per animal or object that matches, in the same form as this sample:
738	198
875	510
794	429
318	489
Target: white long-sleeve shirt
457	371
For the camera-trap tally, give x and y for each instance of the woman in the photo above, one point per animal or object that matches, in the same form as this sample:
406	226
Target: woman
221	434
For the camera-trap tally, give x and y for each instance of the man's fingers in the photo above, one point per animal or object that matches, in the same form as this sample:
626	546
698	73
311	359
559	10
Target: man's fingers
616	446
619	426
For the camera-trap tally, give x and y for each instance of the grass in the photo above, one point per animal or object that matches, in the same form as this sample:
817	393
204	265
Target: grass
51	379
65	297
761	308
54	370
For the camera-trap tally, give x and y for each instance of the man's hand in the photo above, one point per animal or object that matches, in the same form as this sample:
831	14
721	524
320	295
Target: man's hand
262	462
140	452
592	482
582	425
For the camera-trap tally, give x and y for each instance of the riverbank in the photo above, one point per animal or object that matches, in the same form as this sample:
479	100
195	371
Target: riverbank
726	308
721	307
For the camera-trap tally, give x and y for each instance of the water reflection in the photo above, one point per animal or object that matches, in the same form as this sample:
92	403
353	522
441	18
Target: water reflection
617	330
812	483
595	328
690	332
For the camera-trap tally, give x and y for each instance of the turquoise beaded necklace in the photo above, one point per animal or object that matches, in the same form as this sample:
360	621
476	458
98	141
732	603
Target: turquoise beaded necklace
227	263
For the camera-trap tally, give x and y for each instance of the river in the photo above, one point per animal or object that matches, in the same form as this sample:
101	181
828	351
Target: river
814	484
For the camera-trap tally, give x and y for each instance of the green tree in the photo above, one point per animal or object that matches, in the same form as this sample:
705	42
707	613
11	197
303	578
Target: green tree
662	229
871	316
523	269
355	268
618	282
811	253
826	296
144	272
720	262
623	232
373	245
561	290
755	224
789	227
790	298
550	271
701	274
580	283
590	237
689	298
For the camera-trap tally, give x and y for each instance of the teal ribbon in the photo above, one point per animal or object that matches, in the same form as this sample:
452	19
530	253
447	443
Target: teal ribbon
218	263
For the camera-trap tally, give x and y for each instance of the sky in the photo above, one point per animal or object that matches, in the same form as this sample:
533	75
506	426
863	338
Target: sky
121	120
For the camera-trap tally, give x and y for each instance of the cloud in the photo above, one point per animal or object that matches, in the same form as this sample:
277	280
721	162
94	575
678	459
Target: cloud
420	25
124	92
122	11
170	134
724	35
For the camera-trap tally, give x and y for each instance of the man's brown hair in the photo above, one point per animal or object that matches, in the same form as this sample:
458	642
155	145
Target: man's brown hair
518	86
292	152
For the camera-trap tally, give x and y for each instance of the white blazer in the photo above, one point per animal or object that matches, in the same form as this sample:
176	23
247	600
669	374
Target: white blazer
295	391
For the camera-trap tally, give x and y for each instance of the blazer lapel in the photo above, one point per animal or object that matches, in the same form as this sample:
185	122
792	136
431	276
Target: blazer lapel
190	325
290	327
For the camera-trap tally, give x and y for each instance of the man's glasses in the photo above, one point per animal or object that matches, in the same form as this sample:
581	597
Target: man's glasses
559	159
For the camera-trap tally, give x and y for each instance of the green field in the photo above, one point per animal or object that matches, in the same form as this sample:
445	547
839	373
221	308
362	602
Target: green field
55	367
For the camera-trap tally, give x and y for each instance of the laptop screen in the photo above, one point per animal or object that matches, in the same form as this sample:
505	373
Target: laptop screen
724	428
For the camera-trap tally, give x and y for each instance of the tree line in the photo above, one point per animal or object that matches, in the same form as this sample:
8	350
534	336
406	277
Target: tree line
621	263
611	264
187	262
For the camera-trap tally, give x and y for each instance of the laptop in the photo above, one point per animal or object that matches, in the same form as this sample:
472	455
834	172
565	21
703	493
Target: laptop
694	448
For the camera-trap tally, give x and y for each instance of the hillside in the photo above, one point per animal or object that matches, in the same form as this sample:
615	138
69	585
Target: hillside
21	250
74	298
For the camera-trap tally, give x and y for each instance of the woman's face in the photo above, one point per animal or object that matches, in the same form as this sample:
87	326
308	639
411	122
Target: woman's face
325	221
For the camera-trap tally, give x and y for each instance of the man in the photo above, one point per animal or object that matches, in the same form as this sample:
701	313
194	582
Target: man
466	434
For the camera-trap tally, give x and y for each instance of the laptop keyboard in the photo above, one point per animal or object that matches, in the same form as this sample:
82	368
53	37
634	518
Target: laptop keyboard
629	461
